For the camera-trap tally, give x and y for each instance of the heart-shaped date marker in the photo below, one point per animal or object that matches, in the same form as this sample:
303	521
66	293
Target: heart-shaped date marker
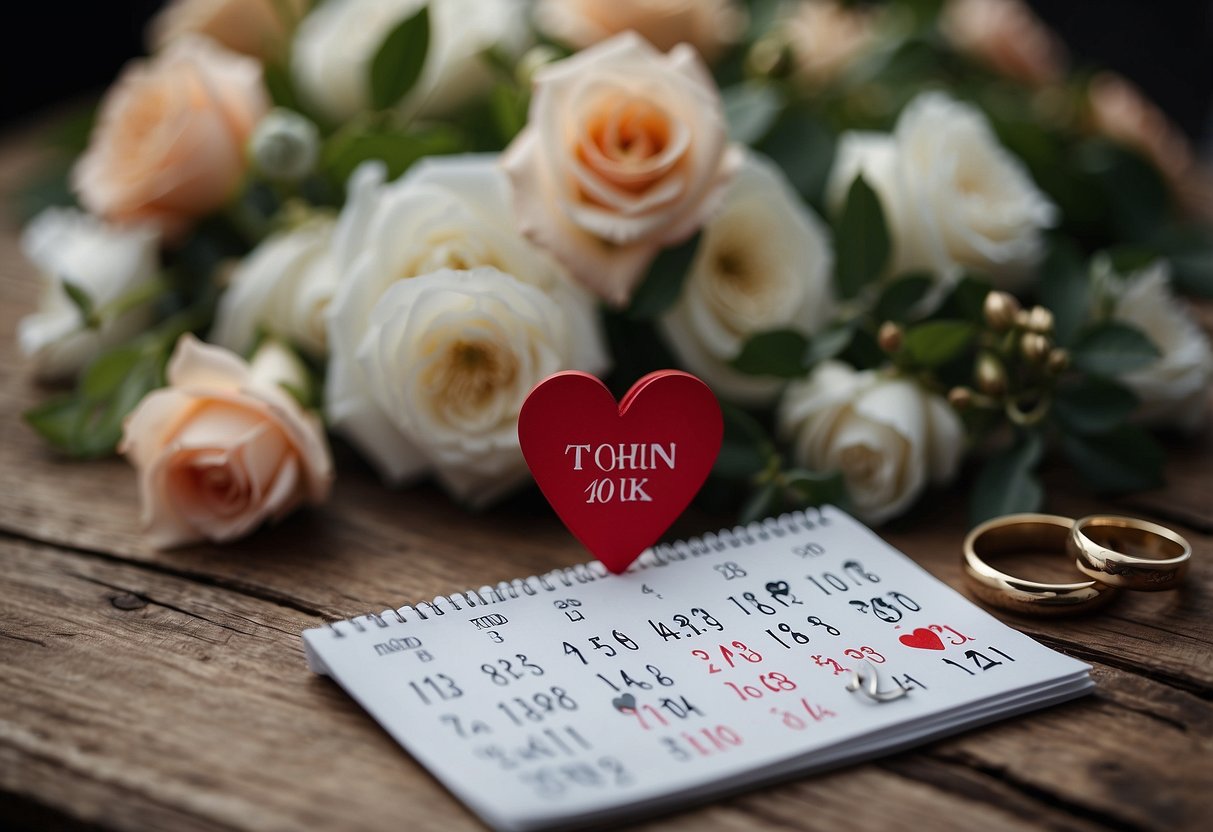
922	639
619	474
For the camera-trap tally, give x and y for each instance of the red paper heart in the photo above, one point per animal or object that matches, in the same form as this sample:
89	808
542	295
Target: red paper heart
922	639
619	475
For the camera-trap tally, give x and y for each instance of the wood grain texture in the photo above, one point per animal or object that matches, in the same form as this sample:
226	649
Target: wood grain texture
144	690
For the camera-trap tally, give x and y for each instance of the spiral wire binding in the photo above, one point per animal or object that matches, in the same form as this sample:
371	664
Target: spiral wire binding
662	554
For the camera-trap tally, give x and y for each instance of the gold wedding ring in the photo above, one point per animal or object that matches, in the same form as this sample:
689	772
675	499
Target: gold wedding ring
1129	553
1016	534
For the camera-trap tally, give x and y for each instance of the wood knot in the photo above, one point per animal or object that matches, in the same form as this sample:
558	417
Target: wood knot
127	601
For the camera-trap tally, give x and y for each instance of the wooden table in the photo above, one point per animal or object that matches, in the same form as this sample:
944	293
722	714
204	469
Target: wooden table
143	690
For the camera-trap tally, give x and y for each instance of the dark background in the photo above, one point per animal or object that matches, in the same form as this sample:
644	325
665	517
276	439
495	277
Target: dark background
53	51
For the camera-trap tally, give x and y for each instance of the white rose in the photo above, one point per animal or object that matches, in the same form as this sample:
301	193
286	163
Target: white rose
887	436
283	286
764	262
1174	389
955	199
335	44
447	213
449	358
107	263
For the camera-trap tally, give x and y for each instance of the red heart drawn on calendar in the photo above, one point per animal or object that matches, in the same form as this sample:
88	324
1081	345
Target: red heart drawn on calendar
922	639
619	474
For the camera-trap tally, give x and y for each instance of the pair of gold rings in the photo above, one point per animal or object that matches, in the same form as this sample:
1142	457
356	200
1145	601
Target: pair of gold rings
1114	552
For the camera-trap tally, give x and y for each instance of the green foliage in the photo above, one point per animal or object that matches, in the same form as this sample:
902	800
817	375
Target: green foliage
1124	459
745	448
779	353
398	63
802	145
663	282
1092	405
900	297
1007	483
751	108
359	142
861	242
1065	289
1112	348
934	343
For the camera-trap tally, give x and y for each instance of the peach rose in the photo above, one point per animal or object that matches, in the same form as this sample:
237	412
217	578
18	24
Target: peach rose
169	145
258	28
827	38
625	152
1006	36
1121	112
224	447
708	25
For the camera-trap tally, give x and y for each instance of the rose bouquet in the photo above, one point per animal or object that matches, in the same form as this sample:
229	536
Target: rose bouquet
890	237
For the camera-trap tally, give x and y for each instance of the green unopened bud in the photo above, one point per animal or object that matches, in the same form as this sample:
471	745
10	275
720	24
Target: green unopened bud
991	375
1059	361
890	337
284	146
1035	347
960	397
1040	320
533	60
999	310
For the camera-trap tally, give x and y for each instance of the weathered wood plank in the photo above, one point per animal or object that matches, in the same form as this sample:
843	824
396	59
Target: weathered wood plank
133	698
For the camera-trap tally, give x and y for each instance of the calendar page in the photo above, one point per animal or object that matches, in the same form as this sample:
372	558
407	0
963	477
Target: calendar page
712	665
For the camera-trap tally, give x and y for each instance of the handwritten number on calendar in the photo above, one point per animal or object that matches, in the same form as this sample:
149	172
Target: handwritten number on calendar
752	601
980	660
739	652
892	610
629	680
537	706
767	682
809	550
436	688
782	593
952	634
504	672
853	574
702	743
689	626
730	570
599	645
650	718
864	653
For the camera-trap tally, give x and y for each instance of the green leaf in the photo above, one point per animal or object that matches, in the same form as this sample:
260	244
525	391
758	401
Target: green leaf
107	372
82	301
1092	405
1190	251
398	63
509	107
829	343
779	353
280	86
937	342
760	505
862	240
356	144
1113	348
750	108
1134	192
966	299
1121	460
1007	483
663	283
745	449
1065	290
803	147
901	296
815	487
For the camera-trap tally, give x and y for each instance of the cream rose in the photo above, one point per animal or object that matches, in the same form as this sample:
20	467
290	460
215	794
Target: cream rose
224	448
107	264
335	44
708	25
827	38
448	359
887	436
283	287
169	145
1174	389
955	199
1006	36
625	152
258	28
764	262
448	213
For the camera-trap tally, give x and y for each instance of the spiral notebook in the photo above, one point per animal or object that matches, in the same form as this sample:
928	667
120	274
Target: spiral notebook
712	665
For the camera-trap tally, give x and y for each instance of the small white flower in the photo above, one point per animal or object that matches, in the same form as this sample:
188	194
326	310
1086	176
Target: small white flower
335	44
1174	389
284	145
284	287
447	216
887	436
954	198
106	263
764	262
